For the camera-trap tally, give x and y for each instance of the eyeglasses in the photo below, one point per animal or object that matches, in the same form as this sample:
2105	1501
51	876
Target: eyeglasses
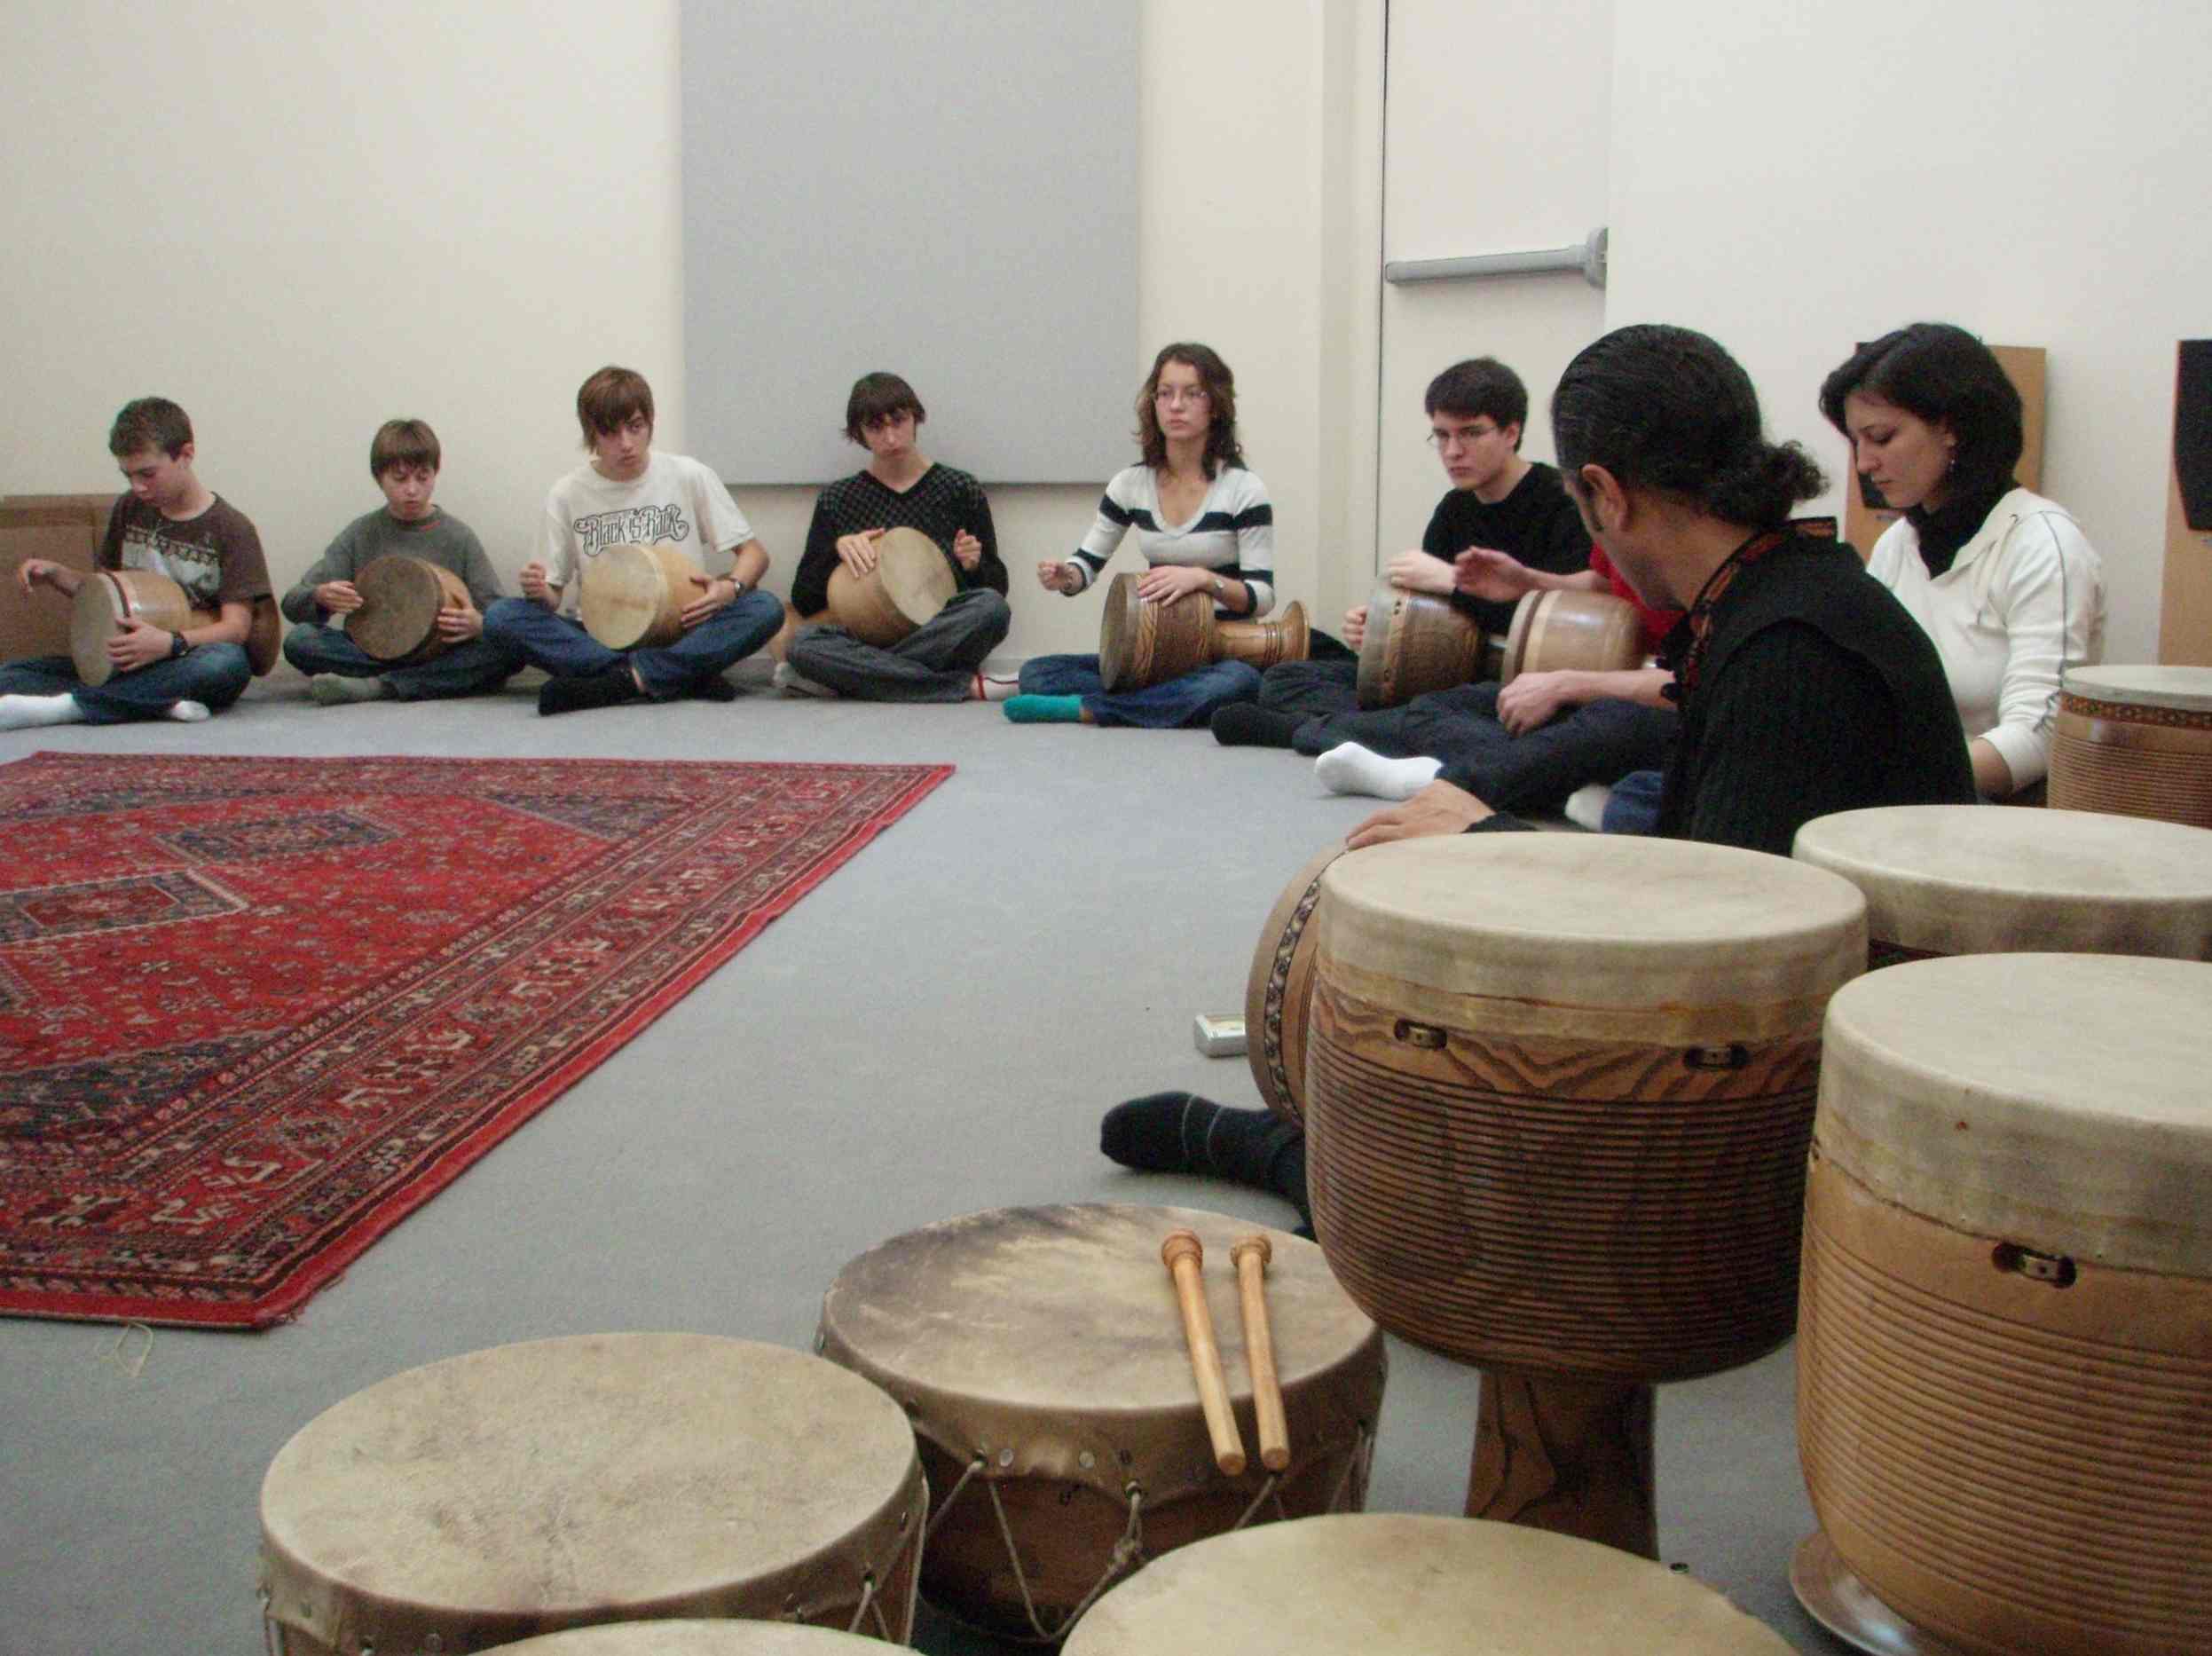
1172	395
1440	438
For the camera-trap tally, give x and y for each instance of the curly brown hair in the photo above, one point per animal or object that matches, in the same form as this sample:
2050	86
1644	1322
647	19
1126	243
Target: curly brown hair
1222	447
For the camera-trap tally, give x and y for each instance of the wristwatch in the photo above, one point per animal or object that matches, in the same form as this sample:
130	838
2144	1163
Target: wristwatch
177	645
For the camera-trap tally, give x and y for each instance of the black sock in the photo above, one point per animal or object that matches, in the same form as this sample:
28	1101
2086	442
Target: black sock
1180	1132
600	690
1247	724
714	689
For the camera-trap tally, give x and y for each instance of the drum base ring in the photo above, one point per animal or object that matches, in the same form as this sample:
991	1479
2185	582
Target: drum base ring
1834	1595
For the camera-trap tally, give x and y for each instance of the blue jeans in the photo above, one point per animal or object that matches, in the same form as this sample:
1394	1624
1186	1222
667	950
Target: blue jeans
562	648
466	669
934	662
1634	806
1188	701
213	674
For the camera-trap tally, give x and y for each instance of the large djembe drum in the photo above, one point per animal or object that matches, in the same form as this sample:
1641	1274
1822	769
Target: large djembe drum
1279	989
2136	741
1558	1093
606	1477
2004	1362
910	583
1960	879
1042	1357
1391	1584
634	597
108	599
401	599
696	1638
1414	642
1561	630
1141	644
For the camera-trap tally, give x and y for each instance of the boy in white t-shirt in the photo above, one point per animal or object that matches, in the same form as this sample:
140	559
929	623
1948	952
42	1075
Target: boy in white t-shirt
629	493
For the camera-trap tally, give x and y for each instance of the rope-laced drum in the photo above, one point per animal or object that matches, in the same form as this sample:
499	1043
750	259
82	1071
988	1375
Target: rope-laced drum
1041	1354
910	583
603	1477
106	599
1390	1584
1141	644
2135	740
634	597
1559	1089
401	599
2005	1355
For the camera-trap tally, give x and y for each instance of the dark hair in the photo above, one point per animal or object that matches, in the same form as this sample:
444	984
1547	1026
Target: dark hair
1947	377
609	400
150	423
1222	447
877	398
1478	388
404	443
1668	409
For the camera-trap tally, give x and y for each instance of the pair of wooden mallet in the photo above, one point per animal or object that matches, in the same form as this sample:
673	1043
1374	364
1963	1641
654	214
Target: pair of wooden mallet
1183	1256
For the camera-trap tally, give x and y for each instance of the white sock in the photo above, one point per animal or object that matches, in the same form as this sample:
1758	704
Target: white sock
190	711
22	712
1349	768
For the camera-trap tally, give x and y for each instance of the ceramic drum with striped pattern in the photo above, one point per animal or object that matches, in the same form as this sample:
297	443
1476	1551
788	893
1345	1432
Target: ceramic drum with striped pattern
2004	1363
2135	740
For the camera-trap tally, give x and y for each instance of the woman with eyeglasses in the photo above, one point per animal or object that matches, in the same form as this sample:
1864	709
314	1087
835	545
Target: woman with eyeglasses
1205	526
2002	580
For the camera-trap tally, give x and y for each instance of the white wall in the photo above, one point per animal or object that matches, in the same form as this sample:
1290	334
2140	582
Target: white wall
1794	178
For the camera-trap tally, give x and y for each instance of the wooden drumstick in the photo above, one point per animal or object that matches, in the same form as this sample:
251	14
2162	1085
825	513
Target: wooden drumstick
1183	1255
1250	1257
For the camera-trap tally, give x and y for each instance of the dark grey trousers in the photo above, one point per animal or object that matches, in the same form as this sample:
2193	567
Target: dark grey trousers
934	662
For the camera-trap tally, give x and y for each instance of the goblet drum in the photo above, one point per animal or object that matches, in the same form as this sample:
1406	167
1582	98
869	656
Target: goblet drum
911	582
1141	644
2137	741
401	599
109	599
1416	643
1590	632
634	597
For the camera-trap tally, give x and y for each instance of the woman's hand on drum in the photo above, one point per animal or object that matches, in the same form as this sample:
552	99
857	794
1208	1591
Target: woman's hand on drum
138	642
1437	808
717	592
456	624
1356	625
1062	578
535	587
1486	572
1166	582
1535	698
967	551
337	597
858	552
1417	572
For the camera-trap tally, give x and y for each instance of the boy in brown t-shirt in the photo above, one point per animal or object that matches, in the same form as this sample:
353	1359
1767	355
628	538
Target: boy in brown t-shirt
173	524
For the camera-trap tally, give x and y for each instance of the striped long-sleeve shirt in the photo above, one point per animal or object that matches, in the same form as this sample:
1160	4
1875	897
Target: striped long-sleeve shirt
1233	533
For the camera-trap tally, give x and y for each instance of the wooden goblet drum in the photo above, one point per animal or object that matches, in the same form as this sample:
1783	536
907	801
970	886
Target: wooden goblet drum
607	1477
1391	1582
1414	644
634	597
1959	879
2137	741
1278	990
1041	1354
1589	631
696	1638
2006	1344
1558	1093
1141	644
109	598
401	599
910	583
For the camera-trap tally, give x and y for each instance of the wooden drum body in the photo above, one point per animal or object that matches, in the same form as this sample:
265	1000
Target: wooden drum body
1278	990
1958	880
910	583
1040	1353
2006	1347
1141	644
109	597
401	599
1391	1582
2137	741
1558	1093
634	597
1414	644
1588	632
607	1477
1262	645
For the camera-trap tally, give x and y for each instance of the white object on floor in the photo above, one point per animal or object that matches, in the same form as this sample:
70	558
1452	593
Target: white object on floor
792	682
1586	806
1218	1037
190	711
1349	768
22	712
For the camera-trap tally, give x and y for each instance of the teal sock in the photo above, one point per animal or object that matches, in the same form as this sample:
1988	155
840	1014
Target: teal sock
1044	709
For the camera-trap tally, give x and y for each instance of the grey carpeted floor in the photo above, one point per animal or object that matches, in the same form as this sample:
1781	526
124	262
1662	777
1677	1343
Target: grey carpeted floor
933	1031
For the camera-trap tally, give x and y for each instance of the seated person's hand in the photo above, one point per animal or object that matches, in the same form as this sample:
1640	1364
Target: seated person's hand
1356	625
138	643
1437	808
36	572
534	586
457	625
716	592
1486	572
1166	582
338	597
1057	576
967	551
1533	699
858	552
1417	572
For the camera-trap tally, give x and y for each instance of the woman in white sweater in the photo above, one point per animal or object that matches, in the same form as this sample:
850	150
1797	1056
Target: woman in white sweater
2002	579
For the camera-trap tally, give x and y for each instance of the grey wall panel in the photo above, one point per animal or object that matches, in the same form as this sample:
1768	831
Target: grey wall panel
949	192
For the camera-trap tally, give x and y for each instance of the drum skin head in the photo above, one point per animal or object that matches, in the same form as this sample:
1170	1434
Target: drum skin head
401	597
635	595
697	1638
2187	690
916	577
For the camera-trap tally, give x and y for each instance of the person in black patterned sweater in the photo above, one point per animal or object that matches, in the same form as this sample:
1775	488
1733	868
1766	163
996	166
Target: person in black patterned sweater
900	488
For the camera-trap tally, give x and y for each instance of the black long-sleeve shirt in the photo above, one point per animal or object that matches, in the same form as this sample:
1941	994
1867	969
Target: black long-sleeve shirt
940	503
1537	523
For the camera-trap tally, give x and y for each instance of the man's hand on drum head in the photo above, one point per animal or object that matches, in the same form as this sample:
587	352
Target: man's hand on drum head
338	597
858	552
717	592
1417	572
1356	625
139	642
1534	699
967	551
535	587
464	623
1486	572
1437	808
1164	583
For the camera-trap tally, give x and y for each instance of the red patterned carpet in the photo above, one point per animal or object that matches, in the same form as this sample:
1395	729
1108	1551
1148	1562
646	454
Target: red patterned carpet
252	1013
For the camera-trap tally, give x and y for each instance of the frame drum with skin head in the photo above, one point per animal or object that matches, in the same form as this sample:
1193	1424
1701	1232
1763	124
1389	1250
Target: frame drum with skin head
1142	644
604	1477
401	599
1412	1586
107	598
2137	741
911	582
634	597
2006	1343
1561	630
696	1638
1040	1353
1278	990
1962	879
1416	643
